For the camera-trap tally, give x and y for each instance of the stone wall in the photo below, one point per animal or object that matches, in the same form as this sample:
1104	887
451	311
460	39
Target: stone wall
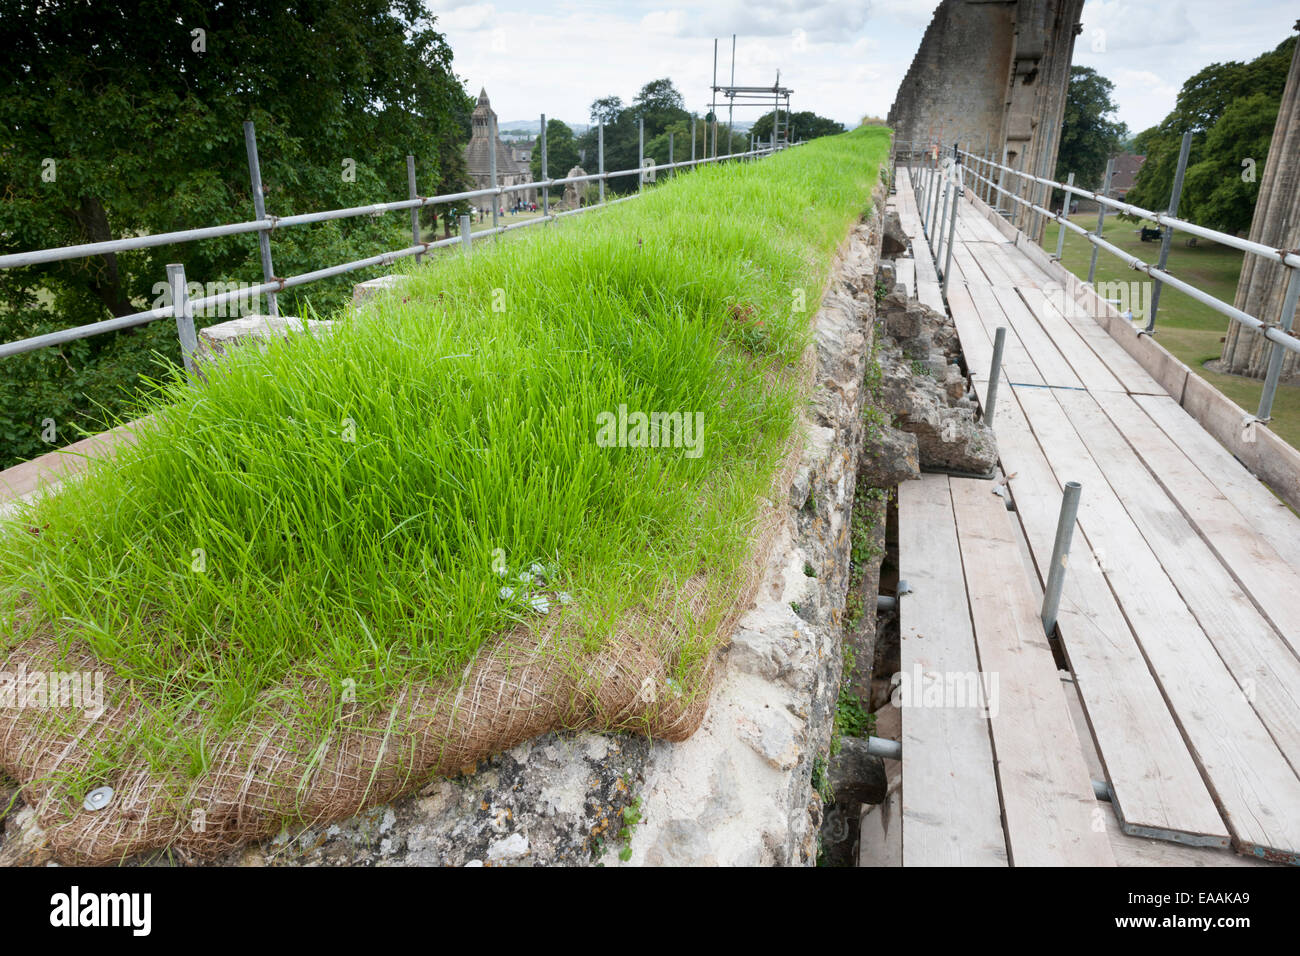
992	74
742	789
1276	224
955	90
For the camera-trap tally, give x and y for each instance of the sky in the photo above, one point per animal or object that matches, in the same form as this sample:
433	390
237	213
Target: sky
843	58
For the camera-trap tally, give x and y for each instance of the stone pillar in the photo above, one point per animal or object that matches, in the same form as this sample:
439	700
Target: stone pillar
1276	224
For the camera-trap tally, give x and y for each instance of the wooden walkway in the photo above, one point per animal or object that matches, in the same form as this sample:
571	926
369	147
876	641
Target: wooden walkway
1179	623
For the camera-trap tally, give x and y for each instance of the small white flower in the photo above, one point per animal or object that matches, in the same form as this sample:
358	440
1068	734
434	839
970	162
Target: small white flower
540	604
525	577
565	597
537	570
506	593
502	571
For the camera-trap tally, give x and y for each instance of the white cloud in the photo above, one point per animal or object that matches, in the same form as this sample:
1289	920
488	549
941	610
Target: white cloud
467	17
1126	25
843	59
1148	48
671	22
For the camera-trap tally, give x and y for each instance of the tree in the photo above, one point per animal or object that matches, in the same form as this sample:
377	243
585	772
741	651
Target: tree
605	110
658	99
561	151
139	112
1088	136
805	124
660	105
1202	102
657	148
1218	191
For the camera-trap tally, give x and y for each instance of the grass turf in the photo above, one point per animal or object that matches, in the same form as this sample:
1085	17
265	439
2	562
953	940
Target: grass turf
1191	330
341	508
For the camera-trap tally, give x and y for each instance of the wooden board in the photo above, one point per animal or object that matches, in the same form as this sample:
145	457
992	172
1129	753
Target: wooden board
1009	262
1269	518
951	812
928	289
1079	721
962	267
976	345
880	833
979	225
1143	851
1158	787
1132	850
1017	365
905	271
1125	368
1092	373
970	271
1263	452
1272	582
1036	261
1046	791
1255	654
984	254
1255	788
1051	364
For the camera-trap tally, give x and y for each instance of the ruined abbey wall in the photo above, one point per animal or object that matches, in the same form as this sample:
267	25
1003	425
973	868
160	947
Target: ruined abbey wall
992	74
1276	223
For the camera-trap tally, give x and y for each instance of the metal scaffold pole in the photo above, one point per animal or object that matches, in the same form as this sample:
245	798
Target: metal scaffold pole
259	210
1167	239
546	193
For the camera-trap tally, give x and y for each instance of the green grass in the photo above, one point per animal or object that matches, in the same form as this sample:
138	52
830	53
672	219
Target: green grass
339	509
1191	330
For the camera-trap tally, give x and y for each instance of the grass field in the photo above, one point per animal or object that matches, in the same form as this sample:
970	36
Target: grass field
476	226
1189	329
345	506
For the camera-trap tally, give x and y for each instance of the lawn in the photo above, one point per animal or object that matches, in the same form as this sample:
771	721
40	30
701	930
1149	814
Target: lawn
1189	329
367	510
475	226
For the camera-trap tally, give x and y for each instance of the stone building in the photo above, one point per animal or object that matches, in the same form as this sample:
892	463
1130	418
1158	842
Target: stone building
483	141
992	75
1276	223
1125	173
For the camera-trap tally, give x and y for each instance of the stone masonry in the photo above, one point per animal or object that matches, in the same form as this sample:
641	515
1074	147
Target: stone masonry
1276	224
743	790
992	75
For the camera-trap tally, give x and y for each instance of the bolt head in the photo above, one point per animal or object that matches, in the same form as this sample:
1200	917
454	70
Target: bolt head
98	798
